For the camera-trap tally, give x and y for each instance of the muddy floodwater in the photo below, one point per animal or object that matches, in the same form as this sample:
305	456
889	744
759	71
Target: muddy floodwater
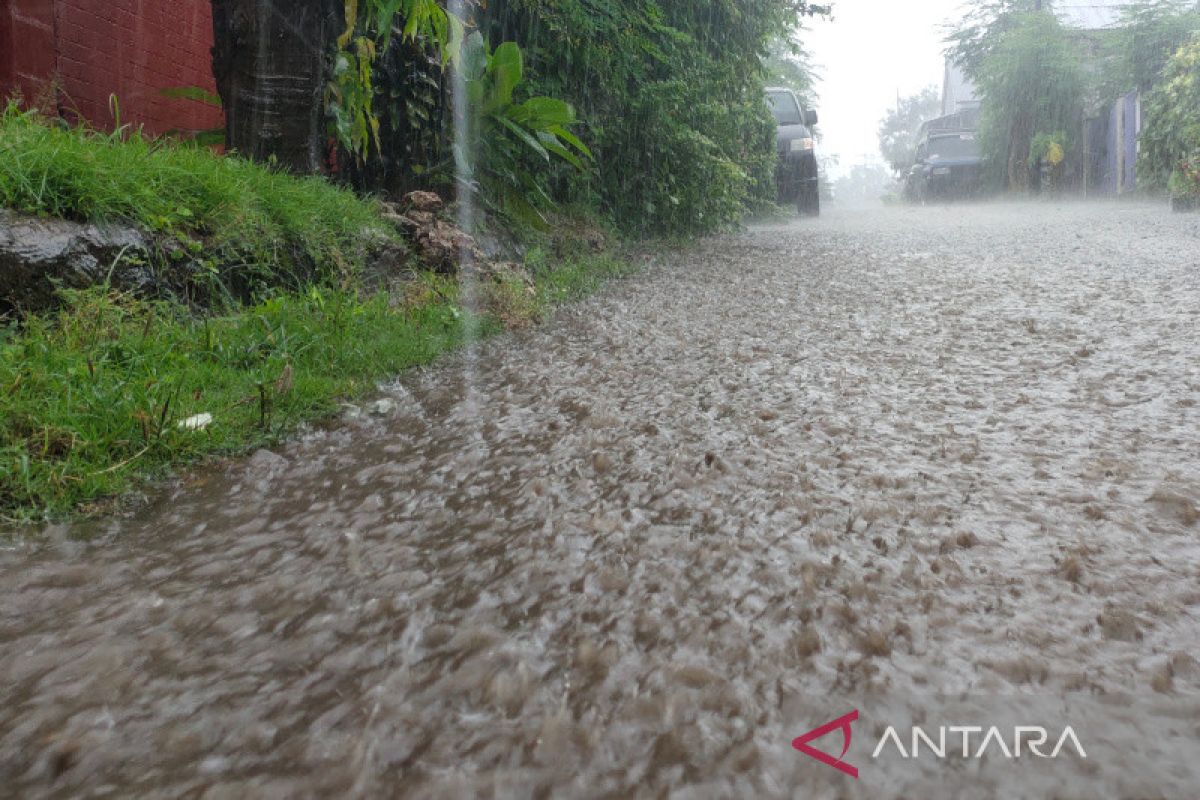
891	460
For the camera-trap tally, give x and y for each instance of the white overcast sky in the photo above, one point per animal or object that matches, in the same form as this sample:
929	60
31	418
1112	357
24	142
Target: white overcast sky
868	51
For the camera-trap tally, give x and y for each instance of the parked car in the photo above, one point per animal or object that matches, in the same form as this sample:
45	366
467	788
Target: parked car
797	175
949	164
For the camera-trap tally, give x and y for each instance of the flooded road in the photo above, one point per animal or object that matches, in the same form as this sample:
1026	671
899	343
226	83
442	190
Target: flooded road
880	461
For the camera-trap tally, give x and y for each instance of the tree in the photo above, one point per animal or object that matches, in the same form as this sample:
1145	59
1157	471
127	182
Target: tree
899	129
982	29
1170	143
1030	80
863	184
271	62
1149	33
672	94
788	64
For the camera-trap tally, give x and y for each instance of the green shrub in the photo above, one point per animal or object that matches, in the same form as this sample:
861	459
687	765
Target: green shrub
1139	47
1031	82
509	144
1185	179
671	93
1171	120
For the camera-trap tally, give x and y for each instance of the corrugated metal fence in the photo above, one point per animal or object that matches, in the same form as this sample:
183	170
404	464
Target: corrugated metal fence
1121	145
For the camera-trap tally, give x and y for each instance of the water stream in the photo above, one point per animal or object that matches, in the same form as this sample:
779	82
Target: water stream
890	457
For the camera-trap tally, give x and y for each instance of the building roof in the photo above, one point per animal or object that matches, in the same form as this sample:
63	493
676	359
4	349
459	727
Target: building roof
1090	15
965	120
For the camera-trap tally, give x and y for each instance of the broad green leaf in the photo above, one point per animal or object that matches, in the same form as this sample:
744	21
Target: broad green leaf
474	57
571	139
542	112
524	136
506	69
552	144
385	19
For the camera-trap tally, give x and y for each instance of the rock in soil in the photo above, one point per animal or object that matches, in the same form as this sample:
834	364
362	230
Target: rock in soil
39	254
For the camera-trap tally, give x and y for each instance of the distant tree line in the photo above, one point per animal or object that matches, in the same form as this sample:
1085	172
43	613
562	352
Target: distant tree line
901	126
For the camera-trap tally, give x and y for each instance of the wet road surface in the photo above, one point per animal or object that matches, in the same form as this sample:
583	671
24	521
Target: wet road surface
889	457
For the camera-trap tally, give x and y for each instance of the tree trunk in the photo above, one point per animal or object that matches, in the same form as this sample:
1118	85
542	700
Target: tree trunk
1019	136
271	63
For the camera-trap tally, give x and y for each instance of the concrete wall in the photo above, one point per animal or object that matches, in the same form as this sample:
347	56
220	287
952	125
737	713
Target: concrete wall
958	92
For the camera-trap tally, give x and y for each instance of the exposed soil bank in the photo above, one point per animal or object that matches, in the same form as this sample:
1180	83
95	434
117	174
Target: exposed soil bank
818	466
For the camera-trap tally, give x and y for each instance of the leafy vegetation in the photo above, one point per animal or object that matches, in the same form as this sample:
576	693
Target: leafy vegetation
984	26
1049	148
242	220
1185	178
503	134
1034	83
111	390
1170	144
789	64
370	26
1148	34
506	146
671	92
1031	78
899	129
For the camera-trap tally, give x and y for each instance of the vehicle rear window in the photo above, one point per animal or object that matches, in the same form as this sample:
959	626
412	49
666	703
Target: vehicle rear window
956	146
785	108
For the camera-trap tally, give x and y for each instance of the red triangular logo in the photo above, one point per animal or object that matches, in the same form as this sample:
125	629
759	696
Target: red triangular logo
842	723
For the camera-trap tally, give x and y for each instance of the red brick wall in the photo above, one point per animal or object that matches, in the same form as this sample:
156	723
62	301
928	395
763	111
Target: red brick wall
26	45
130	48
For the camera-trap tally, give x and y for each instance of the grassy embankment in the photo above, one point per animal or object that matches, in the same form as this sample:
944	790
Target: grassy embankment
93	395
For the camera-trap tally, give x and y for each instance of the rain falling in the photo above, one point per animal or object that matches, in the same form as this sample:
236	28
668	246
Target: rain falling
628	399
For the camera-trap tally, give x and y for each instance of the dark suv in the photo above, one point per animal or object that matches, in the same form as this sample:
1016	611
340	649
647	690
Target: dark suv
949	162
797	174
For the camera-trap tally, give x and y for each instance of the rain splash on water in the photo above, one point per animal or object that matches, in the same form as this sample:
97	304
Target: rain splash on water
911	454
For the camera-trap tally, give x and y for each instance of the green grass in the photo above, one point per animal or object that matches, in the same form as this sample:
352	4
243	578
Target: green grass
93	393
92	396
575	278
228	210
